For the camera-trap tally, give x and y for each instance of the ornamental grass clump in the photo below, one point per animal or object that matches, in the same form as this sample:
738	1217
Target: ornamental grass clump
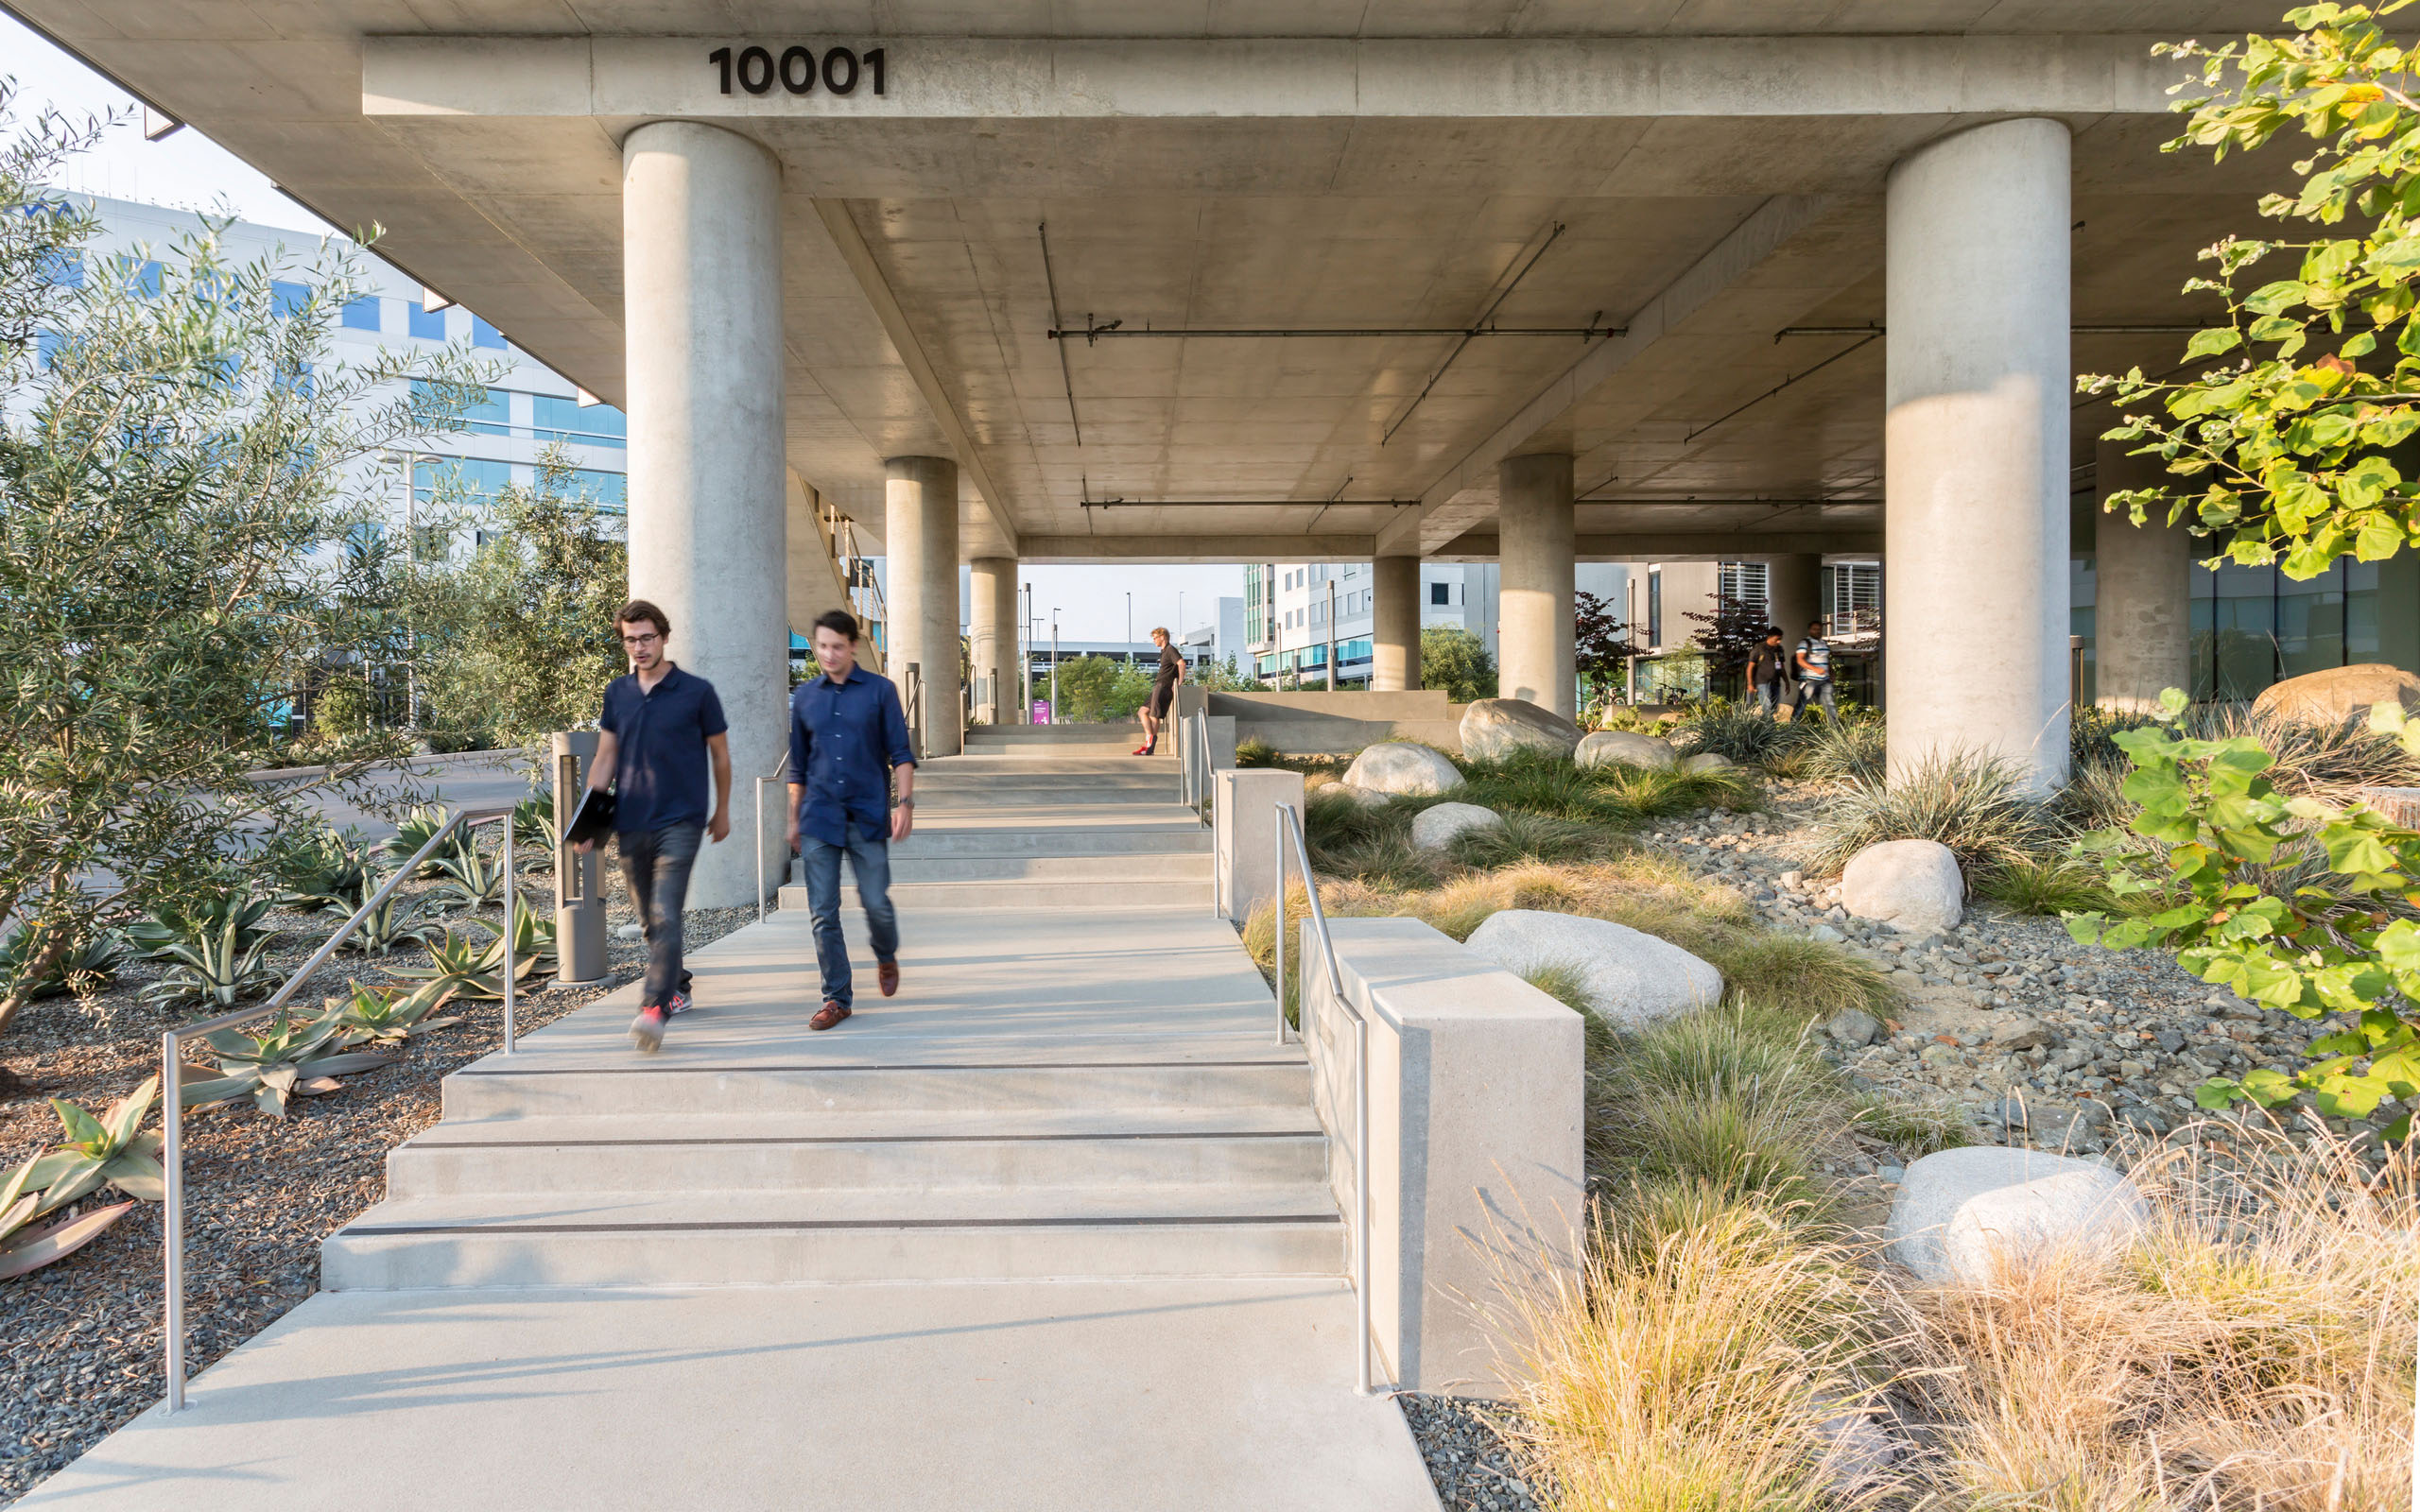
2254	1348
1700	1360
1970	802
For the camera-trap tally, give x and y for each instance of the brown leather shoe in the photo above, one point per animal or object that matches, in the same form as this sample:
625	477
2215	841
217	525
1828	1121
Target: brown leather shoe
828	1015
887	973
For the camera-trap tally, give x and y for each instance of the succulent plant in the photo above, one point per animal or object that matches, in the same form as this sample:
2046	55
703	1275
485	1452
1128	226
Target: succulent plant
460	966
475	880
217	956
384	1015
415	829
317	867
392	923
87	960
206	917
281	1061
533	828
112	1149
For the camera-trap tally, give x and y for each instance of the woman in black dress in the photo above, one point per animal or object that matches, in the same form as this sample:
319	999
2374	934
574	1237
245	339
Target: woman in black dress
1163	693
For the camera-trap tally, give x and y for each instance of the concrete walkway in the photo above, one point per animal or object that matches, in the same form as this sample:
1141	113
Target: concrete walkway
1051	1229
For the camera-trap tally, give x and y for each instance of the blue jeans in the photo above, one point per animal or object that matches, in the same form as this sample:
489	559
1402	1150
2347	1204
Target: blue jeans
656	863
1813	689
869	864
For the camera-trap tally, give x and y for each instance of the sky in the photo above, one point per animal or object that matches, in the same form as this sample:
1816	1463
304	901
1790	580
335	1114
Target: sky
189	171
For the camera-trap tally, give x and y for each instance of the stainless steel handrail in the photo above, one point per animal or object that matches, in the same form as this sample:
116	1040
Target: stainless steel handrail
1289	832
172	1206
758	799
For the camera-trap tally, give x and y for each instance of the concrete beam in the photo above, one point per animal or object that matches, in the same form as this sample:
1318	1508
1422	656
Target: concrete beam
1691	545
1009	78
1060	550
852	247
1464	495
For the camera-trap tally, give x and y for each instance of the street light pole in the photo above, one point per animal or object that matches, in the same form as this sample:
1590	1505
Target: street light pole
1054	664
1130	625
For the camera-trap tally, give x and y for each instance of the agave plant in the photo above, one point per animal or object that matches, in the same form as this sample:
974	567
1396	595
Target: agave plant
383	928
87	960
533	828
112	1149
415	828
384	1015
460	966
281	1061
474	879
218	960
156	938
317	867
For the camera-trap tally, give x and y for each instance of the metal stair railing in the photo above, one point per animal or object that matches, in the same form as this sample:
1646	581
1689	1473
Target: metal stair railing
758	796
1289	836
172	1207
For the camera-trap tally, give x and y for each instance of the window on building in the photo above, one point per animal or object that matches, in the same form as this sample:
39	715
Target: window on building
287	298
361	314
1747	583
143	279
472	478
484	335
1855	597
563	420
426	325
1441	594
46	345
609	491
63	270
491	416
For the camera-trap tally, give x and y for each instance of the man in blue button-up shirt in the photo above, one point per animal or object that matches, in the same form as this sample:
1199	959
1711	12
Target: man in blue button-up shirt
848	748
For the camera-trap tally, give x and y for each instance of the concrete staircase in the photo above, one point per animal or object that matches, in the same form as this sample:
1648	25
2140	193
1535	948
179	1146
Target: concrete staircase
1048	816
1049	1231
1042	1101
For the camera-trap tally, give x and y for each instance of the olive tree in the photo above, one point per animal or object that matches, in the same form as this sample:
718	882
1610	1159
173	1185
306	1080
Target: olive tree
178	457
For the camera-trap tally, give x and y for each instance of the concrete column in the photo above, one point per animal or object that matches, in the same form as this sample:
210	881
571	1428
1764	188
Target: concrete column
1395	625
1797	585
1975	449
1534	546
920	535
702	279
993	643
2142	621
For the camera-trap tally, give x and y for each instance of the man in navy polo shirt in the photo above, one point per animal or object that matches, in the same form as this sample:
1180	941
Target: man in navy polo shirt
848	748
661	729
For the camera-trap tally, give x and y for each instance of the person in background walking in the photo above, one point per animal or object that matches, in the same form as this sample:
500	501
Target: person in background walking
1814	659
849	747
661	729
1163	692
1768	666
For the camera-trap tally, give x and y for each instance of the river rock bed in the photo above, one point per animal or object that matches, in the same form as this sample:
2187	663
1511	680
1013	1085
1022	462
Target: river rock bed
2034	1037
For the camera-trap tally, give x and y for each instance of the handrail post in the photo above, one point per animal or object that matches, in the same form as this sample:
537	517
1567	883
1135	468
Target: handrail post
172	1214
512	896
1281	924
756	801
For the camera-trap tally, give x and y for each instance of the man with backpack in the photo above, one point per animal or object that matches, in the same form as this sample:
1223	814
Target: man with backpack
1814	661
1768	666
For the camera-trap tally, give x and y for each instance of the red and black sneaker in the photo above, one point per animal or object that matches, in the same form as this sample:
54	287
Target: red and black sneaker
647	1030
679	1004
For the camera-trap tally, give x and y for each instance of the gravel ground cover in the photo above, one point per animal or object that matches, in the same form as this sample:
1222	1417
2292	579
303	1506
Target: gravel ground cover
82	1337
2037	1039
1472	1458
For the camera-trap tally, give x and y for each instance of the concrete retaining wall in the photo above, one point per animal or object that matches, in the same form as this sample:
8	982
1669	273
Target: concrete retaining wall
1316	723
1475	1140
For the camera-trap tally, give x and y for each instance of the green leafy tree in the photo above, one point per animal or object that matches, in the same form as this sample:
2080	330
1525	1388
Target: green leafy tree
1729	637
178	451
2278	442
1599	640
1084	687
1127	692
519	637
1226	677
2206	864
1456	660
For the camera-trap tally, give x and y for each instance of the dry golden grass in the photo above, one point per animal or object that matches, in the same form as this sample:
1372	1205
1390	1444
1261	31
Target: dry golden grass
1698	1361
2254	1350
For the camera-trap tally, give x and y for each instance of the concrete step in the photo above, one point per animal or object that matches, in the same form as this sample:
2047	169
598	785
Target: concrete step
1146	1074
993	792
1019	761
1129	731
1182	836
1186	866
1093	1148
1068	894
771	1239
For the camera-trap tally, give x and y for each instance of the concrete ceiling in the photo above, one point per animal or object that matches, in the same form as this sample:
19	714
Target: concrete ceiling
1740	195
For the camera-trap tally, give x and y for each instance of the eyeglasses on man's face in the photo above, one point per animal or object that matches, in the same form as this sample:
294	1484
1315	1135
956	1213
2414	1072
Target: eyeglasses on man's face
649	639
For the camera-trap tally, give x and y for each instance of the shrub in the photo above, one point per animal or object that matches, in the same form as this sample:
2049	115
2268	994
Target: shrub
1732	1097
112	1149
2057	884
1741	731
1798	973
85	963
1851	749
1970	802
316	865
1914	1129
1255	752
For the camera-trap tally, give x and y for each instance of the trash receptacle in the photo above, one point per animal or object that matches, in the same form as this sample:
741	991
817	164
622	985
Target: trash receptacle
580	900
